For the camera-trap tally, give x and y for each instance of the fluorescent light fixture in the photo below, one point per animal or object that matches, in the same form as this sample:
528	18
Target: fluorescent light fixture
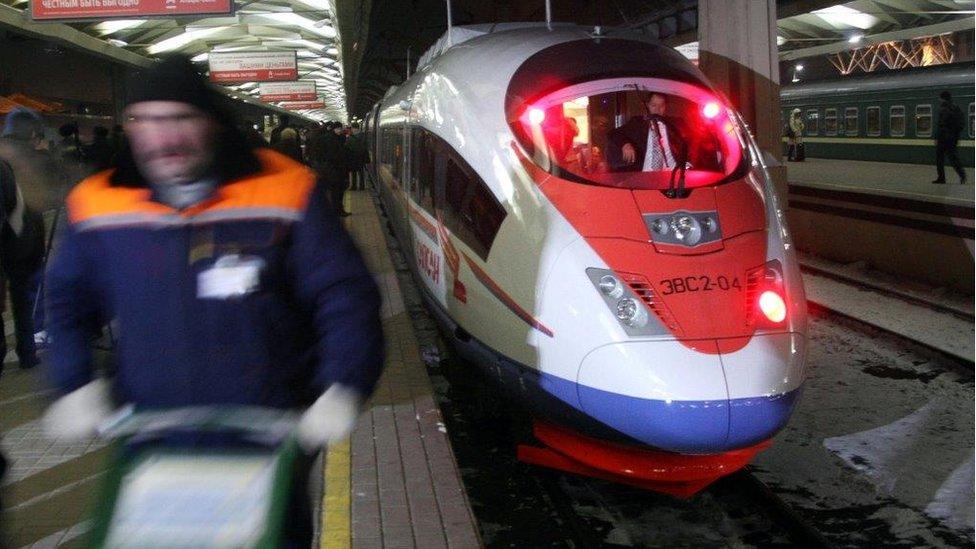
109	27
200	58
180	40
303	22
843	17
780	40
855	39
117	43
332	51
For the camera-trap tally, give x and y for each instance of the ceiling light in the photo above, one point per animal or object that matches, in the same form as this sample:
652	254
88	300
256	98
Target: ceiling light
855	39
118	43
109	27
843	17
180	40
200	58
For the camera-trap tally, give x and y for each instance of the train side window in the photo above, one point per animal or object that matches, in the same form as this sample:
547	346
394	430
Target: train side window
850	121
470	208
873	121
830	121
972	116
923	120
896	120
813	122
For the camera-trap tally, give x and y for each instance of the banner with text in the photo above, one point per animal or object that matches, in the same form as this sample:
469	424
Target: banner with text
302	105
299	90
71	10
253	66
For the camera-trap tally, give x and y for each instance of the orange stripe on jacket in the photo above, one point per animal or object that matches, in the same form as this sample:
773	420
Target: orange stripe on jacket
281	183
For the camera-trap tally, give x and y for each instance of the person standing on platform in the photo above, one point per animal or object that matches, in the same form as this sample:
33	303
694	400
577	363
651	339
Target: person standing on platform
33	185
796	127
327	153
226	270
948	126
356	153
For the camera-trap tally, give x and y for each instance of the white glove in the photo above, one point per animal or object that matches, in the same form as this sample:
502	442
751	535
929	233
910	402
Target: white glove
77	415
331	417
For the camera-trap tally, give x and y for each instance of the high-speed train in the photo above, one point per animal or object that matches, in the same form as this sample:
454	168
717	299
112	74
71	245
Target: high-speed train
648	313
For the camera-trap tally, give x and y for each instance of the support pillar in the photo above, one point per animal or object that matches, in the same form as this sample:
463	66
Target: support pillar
737	51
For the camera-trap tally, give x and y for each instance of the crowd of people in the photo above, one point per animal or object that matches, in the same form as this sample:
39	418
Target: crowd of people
337	153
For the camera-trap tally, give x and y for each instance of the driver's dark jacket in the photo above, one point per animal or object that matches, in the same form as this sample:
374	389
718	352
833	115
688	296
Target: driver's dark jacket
635	133
312	319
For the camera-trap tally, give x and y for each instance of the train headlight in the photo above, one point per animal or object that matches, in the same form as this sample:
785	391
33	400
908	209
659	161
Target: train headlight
631	313
611	287
629	298
686	229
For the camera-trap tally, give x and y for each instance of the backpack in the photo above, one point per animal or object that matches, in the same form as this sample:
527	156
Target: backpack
788	131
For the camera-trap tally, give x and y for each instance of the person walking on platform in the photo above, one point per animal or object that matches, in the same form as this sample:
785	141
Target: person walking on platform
226	270
794	133
948	126
356	153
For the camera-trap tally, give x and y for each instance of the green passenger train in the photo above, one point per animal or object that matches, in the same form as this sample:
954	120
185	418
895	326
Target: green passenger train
881	117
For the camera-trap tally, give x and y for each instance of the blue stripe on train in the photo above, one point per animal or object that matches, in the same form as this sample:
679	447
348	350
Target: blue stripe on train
687	426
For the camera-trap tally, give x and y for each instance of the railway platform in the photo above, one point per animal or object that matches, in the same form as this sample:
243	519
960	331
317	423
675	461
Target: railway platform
393	483
910	181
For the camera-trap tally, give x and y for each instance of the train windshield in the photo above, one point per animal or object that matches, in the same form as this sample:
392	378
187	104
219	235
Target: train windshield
641	133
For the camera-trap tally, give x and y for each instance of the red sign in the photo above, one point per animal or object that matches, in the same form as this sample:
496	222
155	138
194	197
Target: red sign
253	66
302	105
300	90
70	10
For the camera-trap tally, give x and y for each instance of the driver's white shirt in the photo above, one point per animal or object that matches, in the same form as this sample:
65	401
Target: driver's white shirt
652	157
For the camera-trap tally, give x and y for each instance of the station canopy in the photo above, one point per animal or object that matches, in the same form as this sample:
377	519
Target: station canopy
307	27
826	28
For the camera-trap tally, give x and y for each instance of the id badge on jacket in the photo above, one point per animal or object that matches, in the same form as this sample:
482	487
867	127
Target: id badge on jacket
231	276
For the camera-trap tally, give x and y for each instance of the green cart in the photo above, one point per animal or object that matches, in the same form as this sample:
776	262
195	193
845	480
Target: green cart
198	477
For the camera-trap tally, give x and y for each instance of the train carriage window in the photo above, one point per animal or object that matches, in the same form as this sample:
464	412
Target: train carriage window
830	121
813	122
972	115
896	121
850	121
874	121
923	120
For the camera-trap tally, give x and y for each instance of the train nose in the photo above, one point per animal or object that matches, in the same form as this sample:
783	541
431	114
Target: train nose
675	398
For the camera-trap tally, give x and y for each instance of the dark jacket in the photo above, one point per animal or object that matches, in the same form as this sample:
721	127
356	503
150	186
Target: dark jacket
949	123
21	228
310	318
635	133
356	151
326	151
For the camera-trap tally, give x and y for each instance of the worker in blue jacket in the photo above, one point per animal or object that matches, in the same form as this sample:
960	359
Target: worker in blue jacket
225	268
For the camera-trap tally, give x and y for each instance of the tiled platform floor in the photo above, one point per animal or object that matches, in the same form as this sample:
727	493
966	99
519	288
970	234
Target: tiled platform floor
393	484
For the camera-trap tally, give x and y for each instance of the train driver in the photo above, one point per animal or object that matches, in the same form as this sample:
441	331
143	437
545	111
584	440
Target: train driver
645	142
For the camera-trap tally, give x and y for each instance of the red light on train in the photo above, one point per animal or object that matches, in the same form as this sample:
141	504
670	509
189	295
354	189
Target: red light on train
773	306
711	109
536	116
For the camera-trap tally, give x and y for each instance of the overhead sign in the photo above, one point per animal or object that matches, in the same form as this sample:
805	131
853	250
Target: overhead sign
72	10
253	66
300	90
302	105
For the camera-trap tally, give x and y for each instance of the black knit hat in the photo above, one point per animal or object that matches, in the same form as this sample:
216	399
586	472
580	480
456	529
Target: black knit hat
173	78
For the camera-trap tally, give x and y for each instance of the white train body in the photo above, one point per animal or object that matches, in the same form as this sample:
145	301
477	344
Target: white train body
695	368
